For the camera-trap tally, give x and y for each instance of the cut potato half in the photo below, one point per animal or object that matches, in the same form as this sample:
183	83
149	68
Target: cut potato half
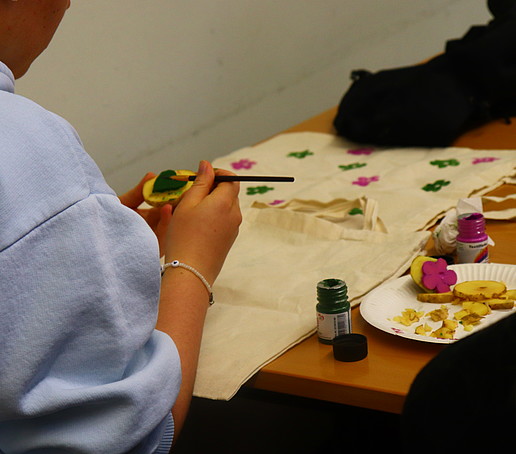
416	270
158	199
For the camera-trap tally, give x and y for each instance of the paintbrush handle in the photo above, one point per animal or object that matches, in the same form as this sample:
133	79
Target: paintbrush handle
223	178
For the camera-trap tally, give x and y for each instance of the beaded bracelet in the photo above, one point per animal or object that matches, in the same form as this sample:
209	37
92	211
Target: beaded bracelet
177	263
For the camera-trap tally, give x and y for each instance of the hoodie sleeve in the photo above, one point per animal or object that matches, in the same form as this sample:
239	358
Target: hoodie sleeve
82	369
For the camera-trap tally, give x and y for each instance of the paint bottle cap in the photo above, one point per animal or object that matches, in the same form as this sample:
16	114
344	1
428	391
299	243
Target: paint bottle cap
350	347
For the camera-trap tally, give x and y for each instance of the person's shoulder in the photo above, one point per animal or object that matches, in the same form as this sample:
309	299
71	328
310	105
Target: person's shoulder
45	168
24	119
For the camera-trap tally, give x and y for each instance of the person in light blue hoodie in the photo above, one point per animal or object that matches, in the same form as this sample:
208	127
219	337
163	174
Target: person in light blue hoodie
87	362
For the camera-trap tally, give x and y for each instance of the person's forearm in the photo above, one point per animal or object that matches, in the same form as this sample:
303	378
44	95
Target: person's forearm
202	229
183	306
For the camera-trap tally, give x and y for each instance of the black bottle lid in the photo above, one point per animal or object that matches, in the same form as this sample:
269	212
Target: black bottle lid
350	347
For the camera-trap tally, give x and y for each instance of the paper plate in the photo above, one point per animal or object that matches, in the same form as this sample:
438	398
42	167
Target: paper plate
385	302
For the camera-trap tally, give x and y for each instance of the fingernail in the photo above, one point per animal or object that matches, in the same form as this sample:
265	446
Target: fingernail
202	167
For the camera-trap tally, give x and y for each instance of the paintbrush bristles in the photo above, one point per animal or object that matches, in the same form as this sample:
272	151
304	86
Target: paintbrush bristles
181	177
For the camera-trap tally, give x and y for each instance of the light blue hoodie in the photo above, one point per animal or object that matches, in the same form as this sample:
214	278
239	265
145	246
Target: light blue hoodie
82	369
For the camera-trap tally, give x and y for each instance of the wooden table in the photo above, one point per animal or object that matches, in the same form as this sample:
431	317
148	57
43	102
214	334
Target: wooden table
380	381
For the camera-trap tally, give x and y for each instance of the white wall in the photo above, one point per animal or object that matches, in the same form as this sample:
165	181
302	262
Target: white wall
151	85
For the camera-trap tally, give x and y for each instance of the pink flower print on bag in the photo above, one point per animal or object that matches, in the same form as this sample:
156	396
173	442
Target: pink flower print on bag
365	181
482	160
243	164
358	151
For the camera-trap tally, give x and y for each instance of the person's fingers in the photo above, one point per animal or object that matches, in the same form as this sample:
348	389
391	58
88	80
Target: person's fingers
134	197
202	186
229	188
162	226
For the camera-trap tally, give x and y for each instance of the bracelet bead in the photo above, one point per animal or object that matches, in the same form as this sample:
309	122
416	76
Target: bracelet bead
177	263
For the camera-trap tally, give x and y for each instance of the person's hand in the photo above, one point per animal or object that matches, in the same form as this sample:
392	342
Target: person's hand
157	218
205	223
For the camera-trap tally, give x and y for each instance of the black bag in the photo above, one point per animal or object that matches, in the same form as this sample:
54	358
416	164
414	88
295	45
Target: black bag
431	104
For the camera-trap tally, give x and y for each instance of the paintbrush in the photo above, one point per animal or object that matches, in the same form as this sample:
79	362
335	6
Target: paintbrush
222	178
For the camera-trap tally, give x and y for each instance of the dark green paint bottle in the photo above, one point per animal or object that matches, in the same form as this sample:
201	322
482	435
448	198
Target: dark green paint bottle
333	310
